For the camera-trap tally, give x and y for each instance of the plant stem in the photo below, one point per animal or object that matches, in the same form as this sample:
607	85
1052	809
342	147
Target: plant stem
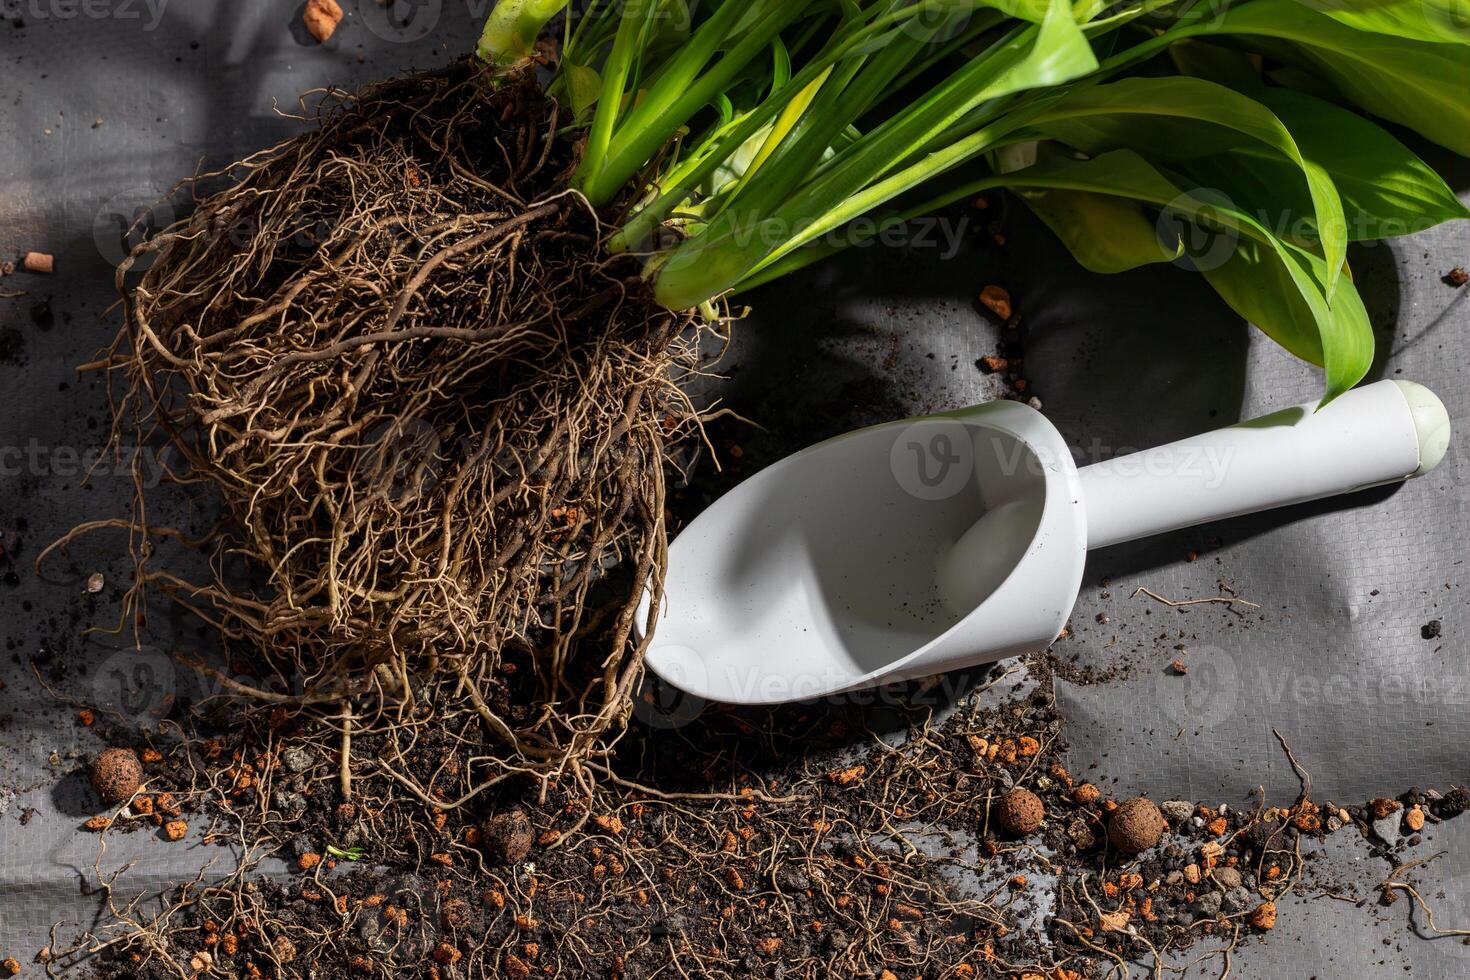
509	36
613	159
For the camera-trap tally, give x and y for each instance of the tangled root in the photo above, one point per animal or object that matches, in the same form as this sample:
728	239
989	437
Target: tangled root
436	414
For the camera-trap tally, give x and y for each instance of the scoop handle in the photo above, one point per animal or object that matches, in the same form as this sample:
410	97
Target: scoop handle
1381	433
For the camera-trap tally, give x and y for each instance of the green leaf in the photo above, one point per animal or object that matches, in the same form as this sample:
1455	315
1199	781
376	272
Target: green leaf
584	87
1261	284
1386	189
1175	118
1230	67
1060	53
1278	286
1421	84
1440	21
1032	10
1103	233
783	208
345	853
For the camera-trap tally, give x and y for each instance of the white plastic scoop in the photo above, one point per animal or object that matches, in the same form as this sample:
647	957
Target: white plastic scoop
925	545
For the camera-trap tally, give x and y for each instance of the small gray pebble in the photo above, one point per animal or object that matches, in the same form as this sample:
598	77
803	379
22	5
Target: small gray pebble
1387	829
1177	811
297	759
1207	906
1238	900
1228	878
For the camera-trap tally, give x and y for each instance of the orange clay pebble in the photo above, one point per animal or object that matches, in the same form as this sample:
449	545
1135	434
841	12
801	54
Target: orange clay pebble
308	861
42	263
1382	807
1414	819
321	18
997	301
86	717
733	878
770	946
1264	917
176	830
609	823
849	776
1086	794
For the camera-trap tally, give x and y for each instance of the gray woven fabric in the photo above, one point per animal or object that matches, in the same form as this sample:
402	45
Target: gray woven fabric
106	108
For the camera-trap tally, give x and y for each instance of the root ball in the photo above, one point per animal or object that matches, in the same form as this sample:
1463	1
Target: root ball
436	412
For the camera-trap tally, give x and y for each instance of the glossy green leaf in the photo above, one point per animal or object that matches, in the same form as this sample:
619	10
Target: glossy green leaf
1386	189
1262	284
584	87
1061	52
781	213
1032	10
1422	84
1278	286
1174	118
1443	21
1103	232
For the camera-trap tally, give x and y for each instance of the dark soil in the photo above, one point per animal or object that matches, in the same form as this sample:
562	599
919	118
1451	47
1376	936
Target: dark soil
744	861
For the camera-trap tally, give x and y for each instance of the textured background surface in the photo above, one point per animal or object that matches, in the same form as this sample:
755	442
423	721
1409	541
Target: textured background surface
108	103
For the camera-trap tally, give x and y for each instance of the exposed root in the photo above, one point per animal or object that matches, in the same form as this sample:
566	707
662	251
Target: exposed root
435	414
